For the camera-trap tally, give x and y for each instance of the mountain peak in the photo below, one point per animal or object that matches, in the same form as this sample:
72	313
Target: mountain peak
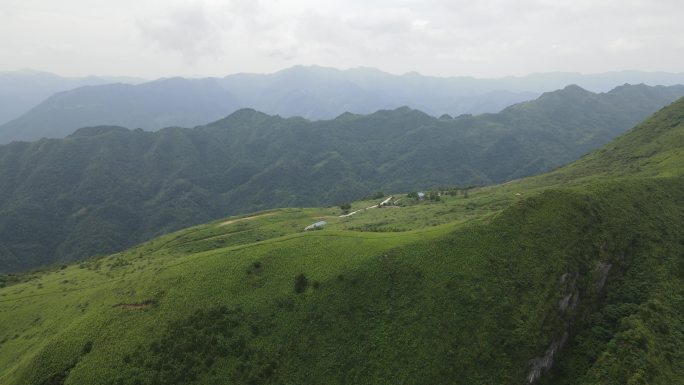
247	112
402	110
243	115
97	130
347	115
569	91
575	89
628	86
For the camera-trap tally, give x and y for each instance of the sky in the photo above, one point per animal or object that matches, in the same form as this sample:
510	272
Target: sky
483	38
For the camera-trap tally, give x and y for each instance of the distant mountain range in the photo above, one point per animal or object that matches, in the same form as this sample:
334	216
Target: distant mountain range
152	105
105	188
22	90
311	92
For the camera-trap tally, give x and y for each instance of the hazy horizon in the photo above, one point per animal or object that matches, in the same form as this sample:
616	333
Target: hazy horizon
198	76
208	38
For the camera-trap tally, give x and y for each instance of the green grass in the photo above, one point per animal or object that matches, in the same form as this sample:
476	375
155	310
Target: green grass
465	290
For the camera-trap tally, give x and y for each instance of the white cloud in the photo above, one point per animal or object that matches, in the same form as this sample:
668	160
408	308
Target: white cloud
444	37
623	45
186	29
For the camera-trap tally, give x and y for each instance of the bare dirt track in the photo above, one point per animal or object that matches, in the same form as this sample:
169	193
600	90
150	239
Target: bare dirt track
244	219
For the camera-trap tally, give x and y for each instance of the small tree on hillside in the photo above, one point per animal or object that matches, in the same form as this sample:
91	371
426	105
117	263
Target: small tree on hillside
301	283
345	207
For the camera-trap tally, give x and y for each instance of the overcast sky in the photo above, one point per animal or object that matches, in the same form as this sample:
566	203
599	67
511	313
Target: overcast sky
483	38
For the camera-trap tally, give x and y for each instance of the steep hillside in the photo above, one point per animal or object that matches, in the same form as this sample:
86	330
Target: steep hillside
106	188
579	282
653	148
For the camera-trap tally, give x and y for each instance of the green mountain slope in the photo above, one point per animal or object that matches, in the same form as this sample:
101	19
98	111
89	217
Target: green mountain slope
106	188
653	148
485	286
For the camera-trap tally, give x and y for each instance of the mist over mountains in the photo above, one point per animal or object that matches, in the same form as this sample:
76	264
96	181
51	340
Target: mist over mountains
311	92
22	90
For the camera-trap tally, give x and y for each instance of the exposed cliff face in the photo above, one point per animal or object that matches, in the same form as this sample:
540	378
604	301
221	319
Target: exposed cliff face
569	300
543	363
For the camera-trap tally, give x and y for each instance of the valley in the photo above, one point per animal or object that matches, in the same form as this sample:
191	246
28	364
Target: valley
238	192
472	288
103	189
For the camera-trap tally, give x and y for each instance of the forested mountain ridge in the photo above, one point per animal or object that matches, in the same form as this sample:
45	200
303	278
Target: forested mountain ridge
106	188
574	277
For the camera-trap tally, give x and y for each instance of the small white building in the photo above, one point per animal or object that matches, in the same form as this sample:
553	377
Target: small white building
316	226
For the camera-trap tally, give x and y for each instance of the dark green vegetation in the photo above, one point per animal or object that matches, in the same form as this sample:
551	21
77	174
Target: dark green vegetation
582	268
106	188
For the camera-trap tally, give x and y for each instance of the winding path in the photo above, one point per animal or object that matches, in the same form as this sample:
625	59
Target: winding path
369	207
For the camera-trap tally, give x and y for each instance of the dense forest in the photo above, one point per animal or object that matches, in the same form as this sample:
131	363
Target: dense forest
106	188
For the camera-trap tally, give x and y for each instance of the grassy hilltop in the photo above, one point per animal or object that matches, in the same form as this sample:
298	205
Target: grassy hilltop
580	268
